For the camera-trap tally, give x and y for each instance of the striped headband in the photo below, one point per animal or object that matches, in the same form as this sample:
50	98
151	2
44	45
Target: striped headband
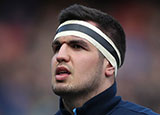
95	36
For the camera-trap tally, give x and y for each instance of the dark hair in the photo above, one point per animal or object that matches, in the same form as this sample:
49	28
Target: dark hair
105	22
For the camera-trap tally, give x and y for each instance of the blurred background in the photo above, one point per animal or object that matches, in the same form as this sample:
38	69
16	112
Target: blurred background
27	28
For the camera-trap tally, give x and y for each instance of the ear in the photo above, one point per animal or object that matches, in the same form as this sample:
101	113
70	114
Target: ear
109	69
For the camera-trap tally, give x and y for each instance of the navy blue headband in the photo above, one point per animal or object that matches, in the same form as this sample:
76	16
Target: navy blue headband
93	34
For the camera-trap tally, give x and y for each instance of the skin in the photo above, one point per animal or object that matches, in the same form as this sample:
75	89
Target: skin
88	73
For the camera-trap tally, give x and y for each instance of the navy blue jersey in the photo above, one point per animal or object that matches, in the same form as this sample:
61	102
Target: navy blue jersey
107	103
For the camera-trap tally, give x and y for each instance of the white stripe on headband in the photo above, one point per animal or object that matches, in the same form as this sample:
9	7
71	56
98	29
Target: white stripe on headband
95	36
107	54
94	28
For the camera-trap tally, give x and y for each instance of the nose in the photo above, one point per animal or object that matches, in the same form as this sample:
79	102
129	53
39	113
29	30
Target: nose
63	54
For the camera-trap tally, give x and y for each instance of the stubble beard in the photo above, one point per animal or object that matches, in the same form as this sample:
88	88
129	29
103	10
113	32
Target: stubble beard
82	89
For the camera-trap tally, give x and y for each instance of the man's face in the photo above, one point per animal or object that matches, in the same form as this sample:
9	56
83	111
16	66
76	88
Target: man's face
76	66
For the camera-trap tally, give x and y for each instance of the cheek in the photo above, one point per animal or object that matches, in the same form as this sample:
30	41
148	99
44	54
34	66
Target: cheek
53	68
53	64
86	64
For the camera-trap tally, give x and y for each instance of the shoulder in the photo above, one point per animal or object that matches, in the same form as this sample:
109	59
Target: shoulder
128	108
58	113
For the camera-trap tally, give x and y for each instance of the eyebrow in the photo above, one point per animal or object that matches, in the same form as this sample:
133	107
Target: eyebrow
80	42
55	42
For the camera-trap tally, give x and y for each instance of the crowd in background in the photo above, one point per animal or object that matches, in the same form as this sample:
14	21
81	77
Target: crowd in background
26	32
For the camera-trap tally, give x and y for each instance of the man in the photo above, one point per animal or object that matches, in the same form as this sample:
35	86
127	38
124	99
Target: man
88	48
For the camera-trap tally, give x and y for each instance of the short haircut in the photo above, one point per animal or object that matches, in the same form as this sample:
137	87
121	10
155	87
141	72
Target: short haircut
105	22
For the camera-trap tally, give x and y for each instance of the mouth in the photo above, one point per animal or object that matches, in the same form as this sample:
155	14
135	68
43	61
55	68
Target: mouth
62	73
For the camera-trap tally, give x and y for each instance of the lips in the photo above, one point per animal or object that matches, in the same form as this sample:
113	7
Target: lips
62	70
62	73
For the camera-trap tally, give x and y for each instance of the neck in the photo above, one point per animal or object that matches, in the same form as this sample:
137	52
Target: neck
74	101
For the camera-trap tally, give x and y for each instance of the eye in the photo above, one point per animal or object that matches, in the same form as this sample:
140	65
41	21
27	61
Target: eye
56	48
77	46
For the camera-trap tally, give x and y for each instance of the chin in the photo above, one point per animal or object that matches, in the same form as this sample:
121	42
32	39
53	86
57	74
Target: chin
61	90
